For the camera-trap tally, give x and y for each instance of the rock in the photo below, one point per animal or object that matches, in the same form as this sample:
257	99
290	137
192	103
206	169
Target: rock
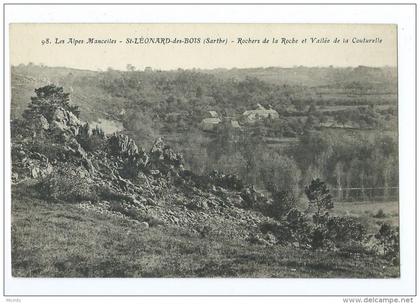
35	172
156	152
144	225
154	172
15	176
139	202
151	202
122	145
164	159
87	163
40	122
270	238
198	204
36	169
257	239
63	120
227	181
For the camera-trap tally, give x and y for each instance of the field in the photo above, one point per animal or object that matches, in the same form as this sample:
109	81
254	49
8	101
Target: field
62	240
369	213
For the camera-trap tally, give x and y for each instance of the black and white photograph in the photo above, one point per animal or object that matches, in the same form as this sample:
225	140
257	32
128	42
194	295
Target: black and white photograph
204	151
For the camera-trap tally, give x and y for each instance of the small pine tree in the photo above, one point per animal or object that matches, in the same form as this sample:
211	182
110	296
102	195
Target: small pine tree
47	100
320	197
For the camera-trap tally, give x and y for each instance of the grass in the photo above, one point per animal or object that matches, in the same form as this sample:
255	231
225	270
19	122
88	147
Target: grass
366	212
61	240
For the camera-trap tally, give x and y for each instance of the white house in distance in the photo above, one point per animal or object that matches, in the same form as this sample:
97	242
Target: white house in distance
259	113
210	121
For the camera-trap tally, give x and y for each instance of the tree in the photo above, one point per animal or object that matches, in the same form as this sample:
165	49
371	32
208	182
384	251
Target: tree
48	99
320	197
283	202
130	67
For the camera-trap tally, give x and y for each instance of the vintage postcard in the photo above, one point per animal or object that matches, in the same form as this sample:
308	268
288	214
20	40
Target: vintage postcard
204	151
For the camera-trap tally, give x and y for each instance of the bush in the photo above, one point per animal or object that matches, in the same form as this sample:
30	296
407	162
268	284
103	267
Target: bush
281	232
283	202
227	181
153	221
91	140
253	199
298	226
66	186
52	151
124	209
342	230
105	192
380	214
389	238
318	238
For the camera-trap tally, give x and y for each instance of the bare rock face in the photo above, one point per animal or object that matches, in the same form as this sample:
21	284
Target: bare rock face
122	145
63	121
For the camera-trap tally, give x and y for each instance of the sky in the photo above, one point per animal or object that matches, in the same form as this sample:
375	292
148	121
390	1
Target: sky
240	45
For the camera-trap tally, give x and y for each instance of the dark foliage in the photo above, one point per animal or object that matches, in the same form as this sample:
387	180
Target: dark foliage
47	100
319	196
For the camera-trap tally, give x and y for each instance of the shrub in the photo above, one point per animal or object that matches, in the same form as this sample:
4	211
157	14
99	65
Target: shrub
298	226
253	199
153	221
133	165
281	232
389	238
66	186
380	214
342	230
124	209
283	202
52	151
318	237
91	140
228	181
105	192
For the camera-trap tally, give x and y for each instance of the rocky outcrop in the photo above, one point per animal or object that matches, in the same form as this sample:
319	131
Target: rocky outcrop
120	145
121	179
164	159
63	121
27	164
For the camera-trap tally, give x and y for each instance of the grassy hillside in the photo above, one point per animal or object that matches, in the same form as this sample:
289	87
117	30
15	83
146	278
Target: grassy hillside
62	240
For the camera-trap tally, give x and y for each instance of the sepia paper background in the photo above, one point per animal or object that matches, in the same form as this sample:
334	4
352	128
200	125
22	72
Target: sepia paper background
22	50
25	44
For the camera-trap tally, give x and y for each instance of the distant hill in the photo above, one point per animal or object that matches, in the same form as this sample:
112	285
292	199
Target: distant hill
94	91
315	76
